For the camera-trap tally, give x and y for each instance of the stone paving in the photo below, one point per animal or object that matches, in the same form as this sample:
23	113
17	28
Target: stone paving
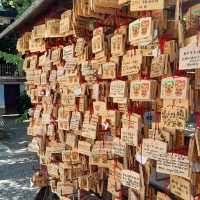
16	164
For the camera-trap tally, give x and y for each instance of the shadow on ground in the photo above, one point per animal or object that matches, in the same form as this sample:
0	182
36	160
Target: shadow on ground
16	163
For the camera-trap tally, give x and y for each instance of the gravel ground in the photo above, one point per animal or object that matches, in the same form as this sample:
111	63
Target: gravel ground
16	164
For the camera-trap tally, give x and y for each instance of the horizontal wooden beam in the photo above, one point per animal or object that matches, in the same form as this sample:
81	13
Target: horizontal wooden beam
11	80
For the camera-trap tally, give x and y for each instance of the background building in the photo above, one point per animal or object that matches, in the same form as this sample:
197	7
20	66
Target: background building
11	80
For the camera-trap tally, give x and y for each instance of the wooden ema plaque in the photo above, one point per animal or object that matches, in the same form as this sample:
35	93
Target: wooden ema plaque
115	94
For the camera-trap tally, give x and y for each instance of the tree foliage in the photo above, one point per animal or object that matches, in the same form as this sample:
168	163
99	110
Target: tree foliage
8	44
19	5
24	103
8	51
11	58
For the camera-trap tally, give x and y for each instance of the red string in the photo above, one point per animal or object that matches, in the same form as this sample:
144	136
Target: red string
197	119
157	117
91	107
181	150
162	40
180	73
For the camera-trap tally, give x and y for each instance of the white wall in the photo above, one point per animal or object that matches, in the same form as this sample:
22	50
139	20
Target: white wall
2	102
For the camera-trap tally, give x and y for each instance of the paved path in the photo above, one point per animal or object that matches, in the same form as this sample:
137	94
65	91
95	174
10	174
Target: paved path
16	164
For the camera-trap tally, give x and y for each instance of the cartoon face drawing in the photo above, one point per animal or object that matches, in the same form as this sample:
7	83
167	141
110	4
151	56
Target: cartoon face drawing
179	86
144	26
169	87
136	89
144	89
135	30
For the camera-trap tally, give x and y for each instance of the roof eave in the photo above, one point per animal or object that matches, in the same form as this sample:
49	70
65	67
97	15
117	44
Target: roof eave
37	7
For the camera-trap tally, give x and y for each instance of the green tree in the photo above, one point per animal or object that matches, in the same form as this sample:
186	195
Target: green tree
19	5
8	52
24	103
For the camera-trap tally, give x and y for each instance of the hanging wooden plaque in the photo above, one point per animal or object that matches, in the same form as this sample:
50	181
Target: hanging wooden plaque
131	64
97	43
117	89
189	57
144	90
173	117
153	148
174	88
84	148
109	70
162	196
159	66
174	164
130	136
180	187
53	28
117	45
131	179
39	31
140	31
119	147
143	5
